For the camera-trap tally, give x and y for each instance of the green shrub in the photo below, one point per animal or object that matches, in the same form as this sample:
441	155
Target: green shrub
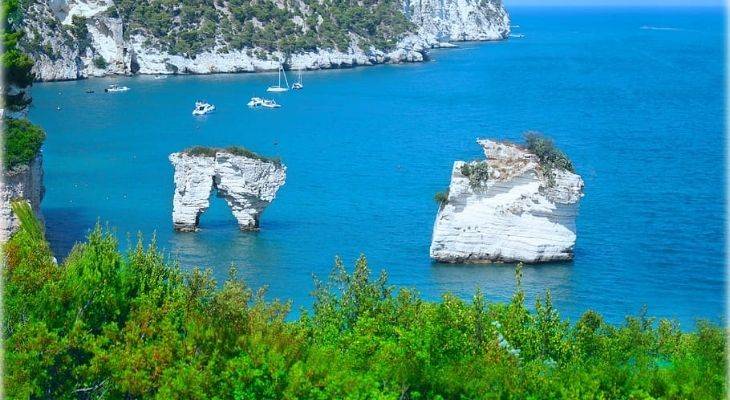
442	197
477	172
133	325
550	157
100	62
23	141
545	150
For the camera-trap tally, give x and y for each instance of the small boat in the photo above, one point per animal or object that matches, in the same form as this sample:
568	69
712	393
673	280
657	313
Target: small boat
278	88
202	108
89	91
255	102
160	77
114	88
298	84
270	104
259	102
517	35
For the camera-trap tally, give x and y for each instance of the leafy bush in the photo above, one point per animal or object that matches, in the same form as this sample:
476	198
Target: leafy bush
550	157
477	172
16	65
80	31
100	62
442	197
113	325
546	151
23	141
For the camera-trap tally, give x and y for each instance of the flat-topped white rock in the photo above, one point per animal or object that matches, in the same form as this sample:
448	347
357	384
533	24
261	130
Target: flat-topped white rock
248	184
519	214
20	182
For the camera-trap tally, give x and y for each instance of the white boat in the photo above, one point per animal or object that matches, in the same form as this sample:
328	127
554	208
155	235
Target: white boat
278	88
259	102
114	88
157	77
298	84
517	35
270	104
255	102
202	108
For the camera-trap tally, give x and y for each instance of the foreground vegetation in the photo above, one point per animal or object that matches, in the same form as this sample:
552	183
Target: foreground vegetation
110	325
23	141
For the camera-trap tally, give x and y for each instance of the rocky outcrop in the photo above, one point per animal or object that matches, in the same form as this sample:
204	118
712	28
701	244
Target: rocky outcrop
521	212
20	182
441	21
98	42
247	182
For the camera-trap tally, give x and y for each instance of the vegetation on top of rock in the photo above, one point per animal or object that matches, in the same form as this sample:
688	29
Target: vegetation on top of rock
188	27
23	141
235	150
477	172
133	325
545	150
550	157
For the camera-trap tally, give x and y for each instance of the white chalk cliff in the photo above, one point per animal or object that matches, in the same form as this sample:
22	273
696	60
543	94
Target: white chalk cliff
248	184
20	182
458	20
59	55
517	215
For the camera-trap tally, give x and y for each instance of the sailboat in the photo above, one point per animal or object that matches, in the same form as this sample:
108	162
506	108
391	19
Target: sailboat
278	88
298	85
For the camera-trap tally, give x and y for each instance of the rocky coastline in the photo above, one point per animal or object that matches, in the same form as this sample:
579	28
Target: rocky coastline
109	49
20	182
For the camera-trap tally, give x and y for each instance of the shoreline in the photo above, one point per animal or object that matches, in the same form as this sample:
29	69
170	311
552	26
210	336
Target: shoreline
287	66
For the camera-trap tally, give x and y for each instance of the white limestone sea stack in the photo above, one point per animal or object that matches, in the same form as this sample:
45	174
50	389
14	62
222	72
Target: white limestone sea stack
20	182
246	181
518	214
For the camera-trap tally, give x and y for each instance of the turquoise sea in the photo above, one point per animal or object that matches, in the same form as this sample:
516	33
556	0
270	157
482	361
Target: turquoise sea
634	97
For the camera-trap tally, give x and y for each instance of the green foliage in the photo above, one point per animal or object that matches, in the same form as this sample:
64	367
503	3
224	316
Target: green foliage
189	26
23	141
235	150
551	158
477	172
442	197
112	325
100	62
16	65
80	32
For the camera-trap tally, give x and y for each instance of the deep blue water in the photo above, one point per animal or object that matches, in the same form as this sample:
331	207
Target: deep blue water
640	112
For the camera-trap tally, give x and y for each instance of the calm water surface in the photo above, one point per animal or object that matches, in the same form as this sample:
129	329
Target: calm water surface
639	110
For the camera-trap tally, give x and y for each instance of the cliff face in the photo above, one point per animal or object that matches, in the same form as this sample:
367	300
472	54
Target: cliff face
21	182
519	214
247	184
71	39
458	20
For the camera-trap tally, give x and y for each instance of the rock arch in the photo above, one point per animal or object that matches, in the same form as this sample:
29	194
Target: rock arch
247	183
